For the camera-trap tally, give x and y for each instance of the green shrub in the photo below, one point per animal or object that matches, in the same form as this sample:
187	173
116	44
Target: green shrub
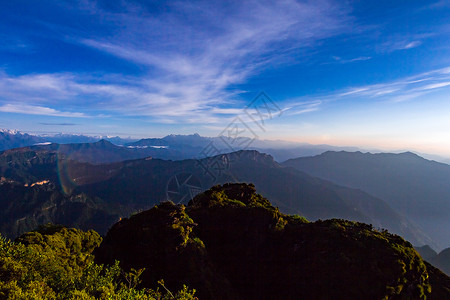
54	262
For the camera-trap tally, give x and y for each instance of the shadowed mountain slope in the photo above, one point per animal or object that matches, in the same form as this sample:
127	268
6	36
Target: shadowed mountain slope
415	187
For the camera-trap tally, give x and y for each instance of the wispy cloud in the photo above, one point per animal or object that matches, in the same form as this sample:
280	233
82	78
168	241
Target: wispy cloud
58	124
412	44
399	43
38	110
435	85
401	90
298	107
15	45
345	61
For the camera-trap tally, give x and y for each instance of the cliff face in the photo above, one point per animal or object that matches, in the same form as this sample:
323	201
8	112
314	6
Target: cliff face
230	243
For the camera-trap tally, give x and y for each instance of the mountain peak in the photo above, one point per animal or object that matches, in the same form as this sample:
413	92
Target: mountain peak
410	154
8	131
103	142
251	155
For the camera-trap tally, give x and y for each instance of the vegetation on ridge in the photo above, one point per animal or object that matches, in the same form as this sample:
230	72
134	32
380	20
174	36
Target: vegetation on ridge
228	243
231	243
55	262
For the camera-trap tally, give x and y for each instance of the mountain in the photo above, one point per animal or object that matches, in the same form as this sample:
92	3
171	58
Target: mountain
115	190
231	243
10	139
178	147
174	147
96	153
426	252
66	138
26	206
100	152
441	260
193	145
415	187
13	139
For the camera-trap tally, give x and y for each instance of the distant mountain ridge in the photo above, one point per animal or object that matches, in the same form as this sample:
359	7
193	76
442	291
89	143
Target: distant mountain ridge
173	146
98	152
441	260
415	187
10	139
178	147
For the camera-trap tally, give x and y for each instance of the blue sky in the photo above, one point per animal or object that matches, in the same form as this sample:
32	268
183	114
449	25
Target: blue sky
374	74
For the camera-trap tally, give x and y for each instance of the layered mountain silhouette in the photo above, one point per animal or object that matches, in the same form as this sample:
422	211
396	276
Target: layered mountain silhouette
441	260
415	187
426	252
10	139
96	153
13	139
231	243
173	146
104	193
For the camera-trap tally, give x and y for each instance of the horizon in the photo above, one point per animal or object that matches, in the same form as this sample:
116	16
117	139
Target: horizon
371	76
288	144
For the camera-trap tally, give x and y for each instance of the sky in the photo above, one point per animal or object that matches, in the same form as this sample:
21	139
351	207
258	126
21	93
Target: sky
371	74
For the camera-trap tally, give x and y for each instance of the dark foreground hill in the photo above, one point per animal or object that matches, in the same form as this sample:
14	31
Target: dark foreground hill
415	187
41	186
230	243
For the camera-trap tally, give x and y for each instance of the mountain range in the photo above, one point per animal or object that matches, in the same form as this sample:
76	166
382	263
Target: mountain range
10	139
417	188
41	185
92	185
175	147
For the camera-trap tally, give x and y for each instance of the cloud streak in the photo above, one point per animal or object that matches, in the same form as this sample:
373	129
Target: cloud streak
57	124
400	90
39	110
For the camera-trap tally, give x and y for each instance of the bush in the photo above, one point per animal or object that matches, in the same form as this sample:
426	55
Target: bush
54	262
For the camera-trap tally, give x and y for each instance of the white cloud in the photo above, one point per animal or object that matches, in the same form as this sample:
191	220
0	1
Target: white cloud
412	45
38	110
435	85
298	107
354	91
400	90
400	43
345	61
